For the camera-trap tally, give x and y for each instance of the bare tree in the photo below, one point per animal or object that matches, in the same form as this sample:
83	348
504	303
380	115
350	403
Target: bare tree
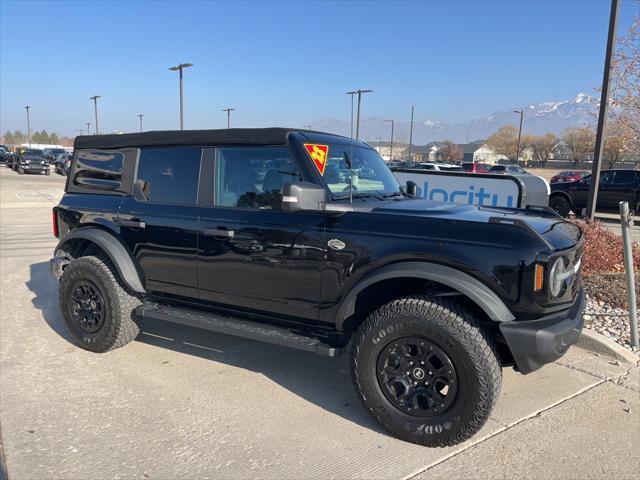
625	87
542	146
579	141
451	152
505	142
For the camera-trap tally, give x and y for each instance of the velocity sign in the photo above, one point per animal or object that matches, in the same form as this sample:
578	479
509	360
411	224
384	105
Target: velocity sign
465	188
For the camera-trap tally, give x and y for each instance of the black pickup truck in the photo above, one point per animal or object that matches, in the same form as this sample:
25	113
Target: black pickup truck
616	185
306	239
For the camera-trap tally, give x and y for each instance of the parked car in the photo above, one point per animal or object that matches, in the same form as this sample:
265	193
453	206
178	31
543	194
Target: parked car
616	185
62	163
508	170
569	176
476	167
31	160
438	167
50	154
5	155
432	299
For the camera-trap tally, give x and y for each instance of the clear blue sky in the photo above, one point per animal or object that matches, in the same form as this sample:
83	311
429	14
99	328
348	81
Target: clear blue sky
289	63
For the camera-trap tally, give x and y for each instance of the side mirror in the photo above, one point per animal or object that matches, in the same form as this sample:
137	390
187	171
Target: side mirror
412	188
303	197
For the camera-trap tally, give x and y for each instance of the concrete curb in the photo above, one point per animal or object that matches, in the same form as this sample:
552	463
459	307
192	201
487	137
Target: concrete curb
595	342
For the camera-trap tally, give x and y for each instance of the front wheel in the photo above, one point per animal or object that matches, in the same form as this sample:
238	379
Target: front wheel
426	371
560	204
20	171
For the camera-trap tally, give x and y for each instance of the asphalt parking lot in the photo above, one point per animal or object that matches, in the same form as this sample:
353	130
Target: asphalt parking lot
184	403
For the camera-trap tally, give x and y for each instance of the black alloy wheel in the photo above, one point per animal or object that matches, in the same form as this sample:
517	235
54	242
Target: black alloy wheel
417	376
87	306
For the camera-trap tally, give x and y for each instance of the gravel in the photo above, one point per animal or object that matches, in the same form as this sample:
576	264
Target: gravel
610	321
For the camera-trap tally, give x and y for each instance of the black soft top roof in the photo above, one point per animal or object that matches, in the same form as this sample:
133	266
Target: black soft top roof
227	136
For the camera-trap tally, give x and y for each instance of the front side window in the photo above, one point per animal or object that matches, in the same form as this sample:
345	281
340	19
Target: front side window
169	175
367	173
253	177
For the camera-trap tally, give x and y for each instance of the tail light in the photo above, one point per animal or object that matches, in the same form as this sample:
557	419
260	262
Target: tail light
54	219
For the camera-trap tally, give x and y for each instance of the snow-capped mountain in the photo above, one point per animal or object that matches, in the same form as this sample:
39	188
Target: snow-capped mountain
539	118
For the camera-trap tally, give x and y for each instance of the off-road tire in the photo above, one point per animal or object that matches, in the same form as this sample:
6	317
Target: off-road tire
457	333
560	204
121	324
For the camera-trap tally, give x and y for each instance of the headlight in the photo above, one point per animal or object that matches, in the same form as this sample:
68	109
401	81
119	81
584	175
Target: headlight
560	275
43	162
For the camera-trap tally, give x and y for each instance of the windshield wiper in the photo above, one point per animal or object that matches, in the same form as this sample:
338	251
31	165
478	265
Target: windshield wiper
357	195
393	194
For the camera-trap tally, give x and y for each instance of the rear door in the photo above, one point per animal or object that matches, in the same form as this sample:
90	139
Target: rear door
159	223
253	256
623	187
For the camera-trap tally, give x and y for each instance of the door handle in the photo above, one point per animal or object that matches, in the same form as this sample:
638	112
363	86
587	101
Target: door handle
135	223
219	232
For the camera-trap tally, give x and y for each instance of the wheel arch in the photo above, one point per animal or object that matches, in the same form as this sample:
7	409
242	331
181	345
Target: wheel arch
562	193
125	265
475	291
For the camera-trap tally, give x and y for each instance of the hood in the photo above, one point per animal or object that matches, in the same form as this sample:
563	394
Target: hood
552	229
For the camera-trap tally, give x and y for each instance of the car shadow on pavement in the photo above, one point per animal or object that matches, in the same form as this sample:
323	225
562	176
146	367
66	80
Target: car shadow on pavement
45	287
323	381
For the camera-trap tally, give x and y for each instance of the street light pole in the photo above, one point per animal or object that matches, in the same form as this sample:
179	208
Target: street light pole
140	115
411	133
359	92
88	124
28	125
602	115
179	68
391	146
228	110
521	112
95	106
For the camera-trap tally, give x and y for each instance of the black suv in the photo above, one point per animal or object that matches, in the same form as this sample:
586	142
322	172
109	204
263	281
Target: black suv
616	185
31	160
305	239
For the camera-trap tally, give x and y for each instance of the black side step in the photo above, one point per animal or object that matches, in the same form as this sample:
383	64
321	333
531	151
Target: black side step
238	327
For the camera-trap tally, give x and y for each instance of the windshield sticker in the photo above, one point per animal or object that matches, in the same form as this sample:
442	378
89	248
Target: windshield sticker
318	154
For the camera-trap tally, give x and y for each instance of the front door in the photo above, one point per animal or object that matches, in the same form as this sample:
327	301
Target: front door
622	187
252	255
159	223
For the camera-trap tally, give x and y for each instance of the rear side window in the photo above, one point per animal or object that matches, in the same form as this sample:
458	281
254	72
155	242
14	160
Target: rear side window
168	175
99	169
624	176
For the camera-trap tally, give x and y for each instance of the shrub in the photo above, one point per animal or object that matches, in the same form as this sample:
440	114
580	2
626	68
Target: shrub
603	250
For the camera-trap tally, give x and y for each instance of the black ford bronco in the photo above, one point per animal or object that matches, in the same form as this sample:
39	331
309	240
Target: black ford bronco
305	239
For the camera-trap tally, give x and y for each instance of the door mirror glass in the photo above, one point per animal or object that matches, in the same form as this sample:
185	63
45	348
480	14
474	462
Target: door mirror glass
303	197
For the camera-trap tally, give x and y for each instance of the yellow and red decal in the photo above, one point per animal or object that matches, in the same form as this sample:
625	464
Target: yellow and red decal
318	154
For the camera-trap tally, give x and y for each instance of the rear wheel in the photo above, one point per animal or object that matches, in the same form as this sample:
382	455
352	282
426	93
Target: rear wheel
560	204
98	311
425	371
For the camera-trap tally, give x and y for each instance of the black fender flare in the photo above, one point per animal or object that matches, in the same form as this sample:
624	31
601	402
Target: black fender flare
114	250
464	283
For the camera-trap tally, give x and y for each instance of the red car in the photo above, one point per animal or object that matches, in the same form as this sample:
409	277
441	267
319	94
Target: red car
475	167
569	176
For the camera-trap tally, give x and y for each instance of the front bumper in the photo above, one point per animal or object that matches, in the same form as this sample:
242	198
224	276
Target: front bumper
534	343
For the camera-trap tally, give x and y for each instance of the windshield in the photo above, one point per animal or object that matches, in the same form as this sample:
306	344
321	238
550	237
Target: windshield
33	152
368	172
